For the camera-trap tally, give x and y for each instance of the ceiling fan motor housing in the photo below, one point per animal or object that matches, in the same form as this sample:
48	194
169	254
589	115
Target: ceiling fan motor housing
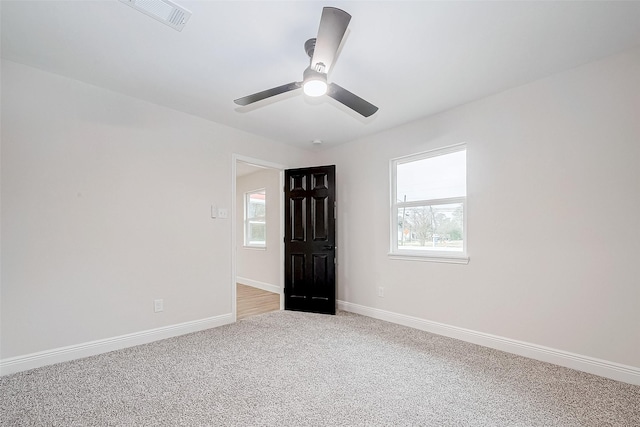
311	74
310	47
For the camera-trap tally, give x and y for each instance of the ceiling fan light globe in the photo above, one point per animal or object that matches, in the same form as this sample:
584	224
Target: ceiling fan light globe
315	87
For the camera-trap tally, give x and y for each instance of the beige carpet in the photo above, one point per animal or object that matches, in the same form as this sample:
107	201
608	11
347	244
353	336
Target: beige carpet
297	369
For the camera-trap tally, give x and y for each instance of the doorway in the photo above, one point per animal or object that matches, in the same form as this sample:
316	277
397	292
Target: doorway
257	236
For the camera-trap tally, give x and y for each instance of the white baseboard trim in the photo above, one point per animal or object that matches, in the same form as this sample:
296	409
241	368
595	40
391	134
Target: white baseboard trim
78	351
603	368
260	285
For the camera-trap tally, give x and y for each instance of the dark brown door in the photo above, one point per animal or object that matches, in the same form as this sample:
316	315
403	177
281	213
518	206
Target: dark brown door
310	270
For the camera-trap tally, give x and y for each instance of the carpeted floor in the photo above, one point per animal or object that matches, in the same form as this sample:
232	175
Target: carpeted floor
297	369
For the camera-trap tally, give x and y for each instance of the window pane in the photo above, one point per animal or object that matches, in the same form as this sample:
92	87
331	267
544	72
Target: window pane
436	227
438	177
257	233
256	208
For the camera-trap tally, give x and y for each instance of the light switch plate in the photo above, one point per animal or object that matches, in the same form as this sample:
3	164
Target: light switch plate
223	213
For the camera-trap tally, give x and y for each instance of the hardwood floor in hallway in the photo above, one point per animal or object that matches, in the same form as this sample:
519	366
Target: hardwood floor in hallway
251	301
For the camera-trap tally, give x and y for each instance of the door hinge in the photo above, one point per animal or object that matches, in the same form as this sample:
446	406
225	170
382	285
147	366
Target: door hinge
335	210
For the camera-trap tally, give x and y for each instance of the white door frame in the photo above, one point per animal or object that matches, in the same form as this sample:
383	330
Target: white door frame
235	158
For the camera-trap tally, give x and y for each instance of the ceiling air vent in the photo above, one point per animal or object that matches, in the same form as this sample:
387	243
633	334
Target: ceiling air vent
164	11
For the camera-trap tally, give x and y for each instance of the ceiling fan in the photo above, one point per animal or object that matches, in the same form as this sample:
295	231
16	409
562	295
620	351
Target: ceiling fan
322	51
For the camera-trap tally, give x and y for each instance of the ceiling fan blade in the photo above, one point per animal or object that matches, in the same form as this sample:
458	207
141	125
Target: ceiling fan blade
352	101
333	25
250	99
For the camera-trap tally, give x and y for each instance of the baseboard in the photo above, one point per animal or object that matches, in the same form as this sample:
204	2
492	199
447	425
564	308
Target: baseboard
603	368
260	285
64	354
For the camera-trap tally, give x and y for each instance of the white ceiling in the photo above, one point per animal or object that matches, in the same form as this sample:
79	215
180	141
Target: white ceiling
411	59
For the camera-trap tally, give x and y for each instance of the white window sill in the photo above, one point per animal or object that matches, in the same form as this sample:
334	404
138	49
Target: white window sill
255	248
446	258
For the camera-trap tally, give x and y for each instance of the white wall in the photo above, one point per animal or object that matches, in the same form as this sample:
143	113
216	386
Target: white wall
260	265
553	215
106	207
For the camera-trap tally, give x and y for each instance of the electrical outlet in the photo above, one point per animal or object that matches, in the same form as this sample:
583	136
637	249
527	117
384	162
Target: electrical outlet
381	291
158	305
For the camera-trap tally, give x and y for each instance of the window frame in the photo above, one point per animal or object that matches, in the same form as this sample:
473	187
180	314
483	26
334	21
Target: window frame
248	221
456	257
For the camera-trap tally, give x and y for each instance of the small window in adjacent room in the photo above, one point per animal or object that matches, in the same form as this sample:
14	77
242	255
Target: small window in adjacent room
428	206
255	226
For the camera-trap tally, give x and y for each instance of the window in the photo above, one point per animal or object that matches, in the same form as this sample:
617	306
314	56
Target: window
428	205
255	226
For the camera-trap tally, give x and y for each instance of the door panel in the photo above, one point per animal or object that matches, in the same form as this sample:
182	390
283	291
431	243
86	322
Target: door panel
320	269
297	280
319	215
298	218
310	240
